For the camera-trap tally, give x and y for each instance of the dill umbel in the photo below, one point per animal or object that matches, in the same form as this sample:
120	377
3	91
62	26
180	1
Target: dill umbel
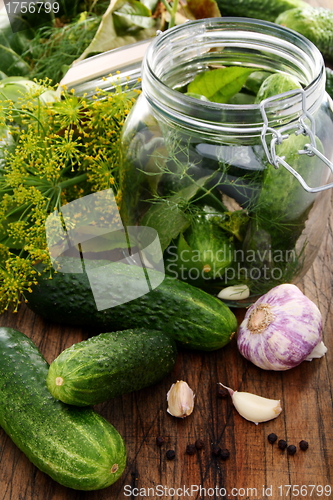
52	154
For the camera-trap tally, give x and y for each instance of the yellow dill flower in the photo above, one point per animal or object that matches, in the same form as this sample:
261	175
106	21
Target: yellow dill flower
61	151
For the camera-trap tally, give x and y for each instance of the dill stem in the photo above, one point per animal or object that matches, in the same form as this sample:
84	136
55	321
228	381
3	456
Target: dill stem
206	192
72	182
25	113
25	211
167	6
57	204
173	13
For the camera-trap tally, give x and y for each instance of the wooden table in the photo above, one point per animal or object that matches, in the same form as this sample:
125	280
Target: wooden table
256	470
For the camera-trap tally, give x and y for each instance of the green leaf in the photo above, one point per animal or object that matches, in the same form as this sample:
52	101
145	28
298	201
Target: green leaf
16	41
255	80
115	31
12	63
131	19
219	85
167	217
12	45
150	4
134	13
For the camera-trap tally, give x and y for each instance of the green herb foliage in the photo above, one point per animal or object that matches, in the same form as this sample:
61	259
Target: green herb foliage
256	214
219	85
52	153
53	49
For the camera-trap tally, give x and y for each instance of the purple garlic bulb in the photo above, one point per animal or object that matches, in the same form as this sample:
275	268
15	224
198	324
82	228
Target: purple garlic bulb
282	329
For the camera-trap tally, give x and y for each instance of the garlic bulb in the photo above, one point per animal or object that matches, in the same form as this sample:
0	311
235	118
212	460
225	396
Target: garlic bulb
180	399
254	408
282	329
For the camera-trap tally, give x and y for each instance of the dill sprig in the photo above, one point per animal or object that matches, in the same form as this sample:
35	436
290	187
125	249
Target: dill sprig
54	48
58	152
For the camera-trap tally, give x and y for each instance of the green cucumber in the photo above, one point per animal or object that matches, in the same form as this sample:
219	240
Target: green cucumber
277	84
110	364
267	10
255	80
191	316
204	248
75	446
315	23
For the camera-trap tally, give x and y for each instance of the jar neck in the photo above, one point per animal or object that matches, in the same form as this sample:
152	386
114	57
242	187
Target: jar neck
175	57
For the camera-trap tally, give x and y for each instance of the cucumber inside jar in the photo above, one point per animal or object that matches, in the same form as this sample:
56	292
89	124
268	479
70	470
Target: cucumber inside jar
224	215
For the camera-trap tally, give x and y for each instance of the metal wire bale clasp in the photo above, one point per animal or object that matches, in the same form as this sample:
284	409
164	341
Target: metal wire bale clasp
300	127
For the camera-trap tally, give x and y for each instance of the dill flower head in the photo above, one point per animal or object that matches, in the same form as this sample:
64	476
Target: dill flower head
50	154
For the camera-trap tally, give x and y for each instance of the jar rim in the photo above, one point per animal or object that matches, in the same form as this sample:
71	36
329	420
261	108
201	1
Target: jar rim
265	36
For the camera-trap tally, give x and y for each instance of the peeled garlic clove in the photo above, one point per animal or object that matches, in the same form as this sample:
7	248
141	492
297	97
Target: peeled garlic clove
254	408
235	292
180	399
281	329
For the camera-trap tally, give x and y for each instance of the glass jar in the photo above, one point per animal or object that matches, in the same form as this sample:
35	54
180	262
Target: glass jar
239	193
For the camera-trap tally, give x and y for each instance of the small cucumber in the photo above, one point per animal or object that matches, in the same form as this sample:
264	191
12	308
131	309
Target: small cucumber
315	23
277	84
110	364
267	10
189	315
255	80
75	446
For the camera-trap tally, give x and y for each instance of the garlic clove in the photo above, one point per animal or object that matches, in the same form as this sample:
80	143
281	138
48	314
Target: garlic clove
236	292
318	351
180	399
254	408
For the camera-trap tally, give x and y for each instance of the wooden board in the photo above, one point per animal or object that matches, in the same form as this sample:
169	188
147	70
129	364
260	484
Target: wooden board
256	470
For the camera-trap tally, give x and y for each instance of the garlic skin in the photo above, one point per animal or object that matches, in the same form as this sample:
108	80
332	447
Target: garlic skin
254	408
180	399
281	330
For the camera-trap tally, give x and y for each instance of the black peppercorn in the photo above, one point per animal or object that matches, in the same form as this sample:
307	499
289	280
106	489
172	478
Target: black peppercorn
225	454
170	454
272	438
216	450
291	449
304	445
199	444
222	392
282	444
190	449
160	440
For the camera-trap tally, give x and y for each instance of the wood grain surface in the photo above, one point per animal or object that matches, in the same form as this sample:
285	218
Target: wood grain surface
256	470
